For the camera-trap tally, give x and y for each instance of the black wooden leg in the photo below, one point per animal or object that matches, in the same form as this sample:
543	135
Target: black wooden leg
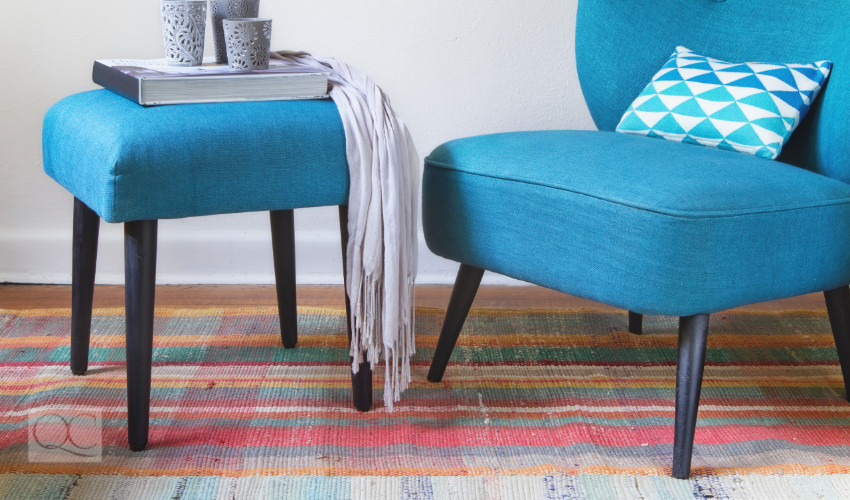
693	331
463	293
838	308
86	229
635	323
140	274
283	248
361	382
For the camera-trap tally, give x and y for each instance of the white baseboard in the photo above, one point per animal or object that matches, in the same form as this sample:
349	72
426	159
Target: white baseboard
198	257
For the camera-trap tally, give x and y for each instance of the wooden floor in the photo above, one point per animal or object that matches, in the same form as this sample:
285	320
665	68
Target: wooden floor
50	296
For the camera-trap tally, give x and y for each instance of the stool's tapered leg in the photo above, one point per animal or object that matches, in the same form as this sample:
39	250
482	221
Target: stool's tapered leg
693	332
361	382
283	248
84	257
139	291
838	308
635	323
463	293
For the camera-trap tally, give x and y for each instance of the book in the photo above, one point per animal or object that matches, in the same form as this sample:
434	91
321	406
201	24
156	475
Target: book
153	82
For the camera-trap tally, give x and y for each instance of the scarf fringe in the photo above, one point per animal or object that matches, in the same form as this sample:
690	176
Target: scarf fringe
367	343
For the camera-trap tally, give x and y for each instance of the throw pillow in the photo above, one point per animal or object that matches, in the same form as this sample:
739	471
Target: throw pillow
746	107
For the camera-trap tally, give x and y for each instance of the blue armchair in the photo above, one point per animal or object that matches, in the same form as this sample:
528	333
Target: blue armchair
654	226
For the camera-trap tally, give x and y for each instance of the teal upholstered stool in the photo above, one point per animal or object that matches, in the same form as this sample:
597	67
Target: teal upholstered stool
131	164
653	226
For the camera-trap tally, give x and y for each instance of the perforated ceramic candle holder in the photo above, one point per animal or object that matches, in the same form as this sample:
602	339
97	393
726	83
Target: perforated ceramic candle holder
248	41
229	9
183	26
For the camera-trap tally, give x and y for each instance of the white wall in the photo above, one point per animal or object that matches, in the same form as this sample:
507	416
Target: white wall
453	69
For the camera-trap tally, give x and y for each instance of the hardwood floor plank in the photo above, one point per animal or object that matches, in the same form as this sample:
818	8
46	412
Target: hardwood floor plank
14	296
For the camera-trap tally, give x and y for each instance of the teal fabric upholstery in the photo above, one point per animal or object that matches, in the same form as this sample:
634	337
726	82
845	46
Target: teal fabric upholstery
652	226
620	44
128	162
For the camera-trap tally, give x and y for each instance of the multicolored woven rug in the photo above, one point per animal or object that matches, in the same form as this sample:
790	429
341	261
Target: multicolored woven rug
534	404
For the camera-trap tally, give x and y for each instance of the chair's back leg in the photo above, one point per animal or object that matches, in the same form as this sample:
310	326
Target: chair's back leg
283	248
635	323
361	382
463	293
139	291
838	308
84	261
693	332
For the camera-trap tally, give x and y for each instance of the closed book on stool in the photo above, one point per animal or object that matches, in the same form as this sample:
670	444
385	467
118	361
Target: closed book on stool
152	82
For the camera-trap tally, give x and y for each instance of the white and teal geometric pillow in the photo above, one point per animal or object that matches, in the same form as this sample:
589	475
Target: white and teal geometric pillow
746	107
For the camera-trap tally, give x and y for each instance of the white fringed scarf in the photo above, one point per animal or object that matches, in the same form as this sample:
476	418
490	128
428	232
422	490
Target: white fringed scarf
382	215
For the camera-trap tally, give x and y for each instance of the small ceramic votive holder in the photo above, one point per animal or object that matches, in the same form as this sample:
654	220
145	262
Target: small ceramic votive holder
248	41
183	26
228	9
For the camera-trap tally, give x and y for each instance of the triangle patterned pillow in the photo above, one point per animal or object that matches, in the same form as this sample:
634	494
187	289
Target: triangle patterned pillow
746	107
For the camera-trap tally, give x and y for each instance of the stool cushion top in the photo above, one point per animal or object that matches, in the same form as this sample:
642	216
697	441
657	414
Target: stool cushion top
652	226
129	162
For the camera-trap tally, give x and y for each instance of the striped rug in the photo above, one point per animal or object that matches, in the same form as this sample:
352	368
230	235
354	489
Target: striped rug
534	404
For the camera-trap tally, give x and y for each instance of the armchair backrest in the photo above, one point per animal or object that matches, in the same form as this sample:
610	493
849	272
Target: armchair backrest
620	44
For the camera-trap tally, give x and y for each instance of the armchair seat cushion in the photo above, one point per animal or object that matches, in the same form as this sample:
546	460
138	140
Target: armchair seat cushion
128	162
652	226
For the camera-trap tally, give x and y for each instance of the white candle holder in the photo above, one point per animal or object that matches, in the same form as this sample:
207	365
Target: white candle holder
248	41
183	26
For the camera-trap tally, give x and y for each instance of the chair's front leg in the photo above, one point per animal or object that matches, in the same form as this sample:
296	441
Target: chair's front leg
838	308
693	332
139	290
463	293
635	323
84	261
361	382
283	248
